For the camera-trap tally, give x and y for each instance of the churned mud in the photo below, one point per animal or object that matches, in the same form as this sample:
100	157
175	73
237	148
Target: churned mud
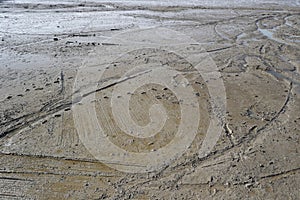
44	46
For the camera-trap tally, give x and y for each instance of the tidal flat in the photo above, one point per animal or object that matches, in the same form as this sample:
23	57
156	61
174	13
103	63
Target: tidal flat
149	99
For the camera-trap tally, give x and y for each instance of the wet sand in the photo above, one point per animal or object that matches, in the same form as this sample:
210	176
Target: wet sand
46	46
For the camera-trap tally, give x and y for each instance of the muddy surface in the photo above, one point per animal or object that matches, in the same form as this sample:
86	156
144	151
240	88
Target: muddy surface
44	47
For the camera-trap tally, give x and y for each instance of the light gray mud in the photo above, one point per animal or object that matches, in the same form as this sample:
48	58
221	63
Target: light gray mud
255	48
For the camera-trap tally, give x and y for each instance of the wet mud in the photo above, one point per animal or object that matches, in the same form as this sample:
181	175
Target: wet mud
255	48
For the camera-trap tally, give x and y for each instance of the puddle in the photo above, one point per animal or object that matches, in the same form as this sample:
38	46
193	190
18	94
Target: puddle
241	35
267	33
270	35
